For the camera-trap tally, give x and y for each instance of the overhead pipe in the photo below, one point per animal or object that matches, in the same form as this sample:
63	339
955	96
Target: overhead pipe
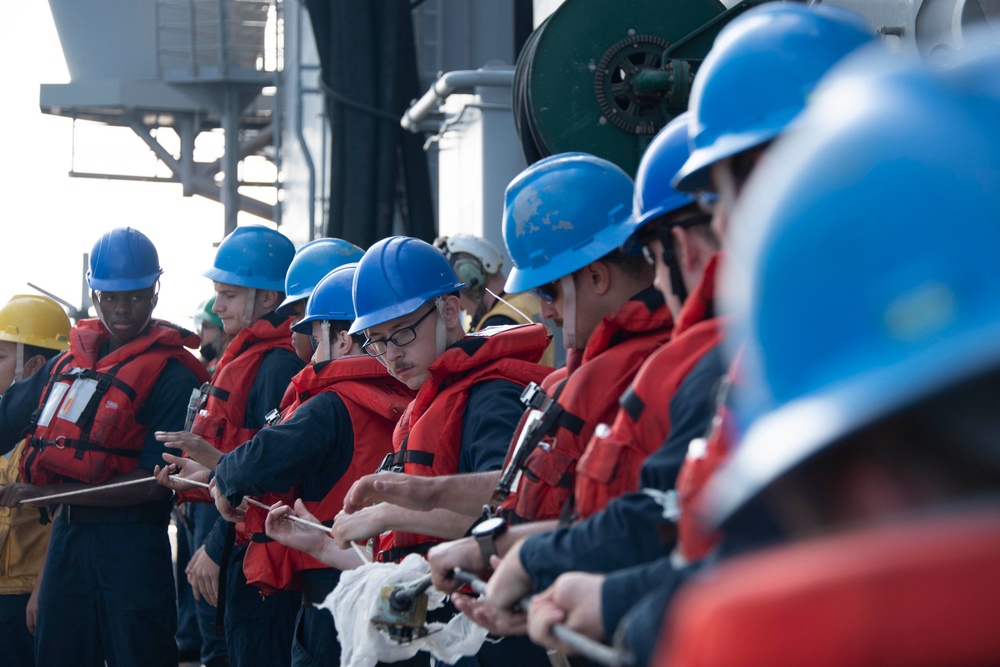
452	82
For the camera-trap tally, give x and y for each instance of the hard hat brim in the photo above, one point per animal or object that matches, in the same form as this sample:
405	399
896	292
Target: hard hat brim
780	441
123	284
695	174
567	261
230	278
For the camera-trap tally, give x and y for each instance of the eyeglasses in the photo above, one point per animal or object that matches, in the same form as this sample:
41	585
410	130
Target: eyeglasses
707	200
547	292
377	348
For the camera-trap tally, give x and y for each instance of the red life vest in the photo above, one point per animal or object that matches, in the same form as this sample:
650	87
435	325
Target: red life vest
93	439
374	401
221	420
694	538
905	594
428	438
610	465
620	343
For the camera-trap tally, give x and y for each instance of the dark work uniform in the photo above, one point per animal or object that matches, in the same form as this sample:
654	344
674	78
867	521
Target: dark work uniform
107	578
314	449
491	415
252	623
630	539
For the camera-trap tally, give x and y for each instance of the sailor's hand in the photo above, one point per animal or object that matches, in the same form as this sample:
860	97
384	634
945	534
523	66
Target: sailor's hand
291	534
31	611
179	469
409	491
194	446
359	526
203	575
444	558
482	614
11	495
226	509
574	600
508	585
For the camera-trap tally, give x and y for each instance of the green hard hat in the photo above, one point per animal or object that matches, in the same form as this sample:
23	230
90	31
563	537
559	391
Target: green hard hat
206	315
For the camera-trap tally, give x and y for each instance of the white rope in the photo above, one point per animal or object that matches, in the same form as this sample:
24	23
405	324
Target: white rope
92	489
361	553
517	310
141	480
257	503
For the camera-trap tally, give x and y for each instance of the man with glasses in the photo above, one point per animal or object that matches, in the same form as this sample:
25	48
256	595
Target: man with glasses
468	389
466	408
338	429
565	219
107	591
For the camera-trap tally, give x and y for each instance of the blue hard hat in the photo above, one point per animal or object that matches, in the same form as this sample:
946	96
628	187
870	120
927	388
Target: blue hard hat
654	196
253	256
758	77
311	263
863	273
395	277
561	214
332	299
123	260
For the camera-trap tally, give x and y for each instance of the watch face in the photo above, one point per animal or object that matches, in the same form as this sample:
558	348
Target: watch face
488	526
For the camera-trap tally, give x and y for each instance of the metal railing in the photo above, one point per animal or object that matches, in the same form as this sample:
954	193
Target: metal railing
218	39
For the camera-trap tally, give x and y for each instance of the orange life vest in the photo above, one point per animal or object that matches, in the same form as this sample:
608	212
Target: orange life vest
904	594
610	465
694	538
374	401
620	343
85	426
221	420
428	438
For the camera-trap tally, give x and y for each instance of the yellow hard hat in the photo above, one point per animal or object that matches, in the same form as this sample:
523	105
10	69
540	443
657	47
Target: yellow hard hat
34	320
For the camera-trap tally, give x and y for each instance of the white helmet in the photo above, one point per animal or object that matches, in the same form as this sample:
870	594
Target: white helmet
483	260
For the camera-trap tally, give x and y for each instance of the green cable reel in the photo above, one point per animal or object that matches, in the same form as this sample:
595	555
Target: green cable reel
601	76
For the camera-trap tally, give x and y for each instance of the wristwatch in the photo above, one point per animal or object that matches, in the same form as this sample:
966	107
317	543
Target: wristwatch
486	534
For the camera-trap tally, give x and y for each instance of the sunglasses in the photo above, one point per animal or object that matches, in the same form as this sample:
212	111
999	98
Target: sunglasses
548	292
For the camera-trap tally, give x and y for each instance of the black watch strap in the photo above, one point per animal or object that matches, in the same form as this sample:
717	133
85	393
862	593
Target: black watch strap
487	547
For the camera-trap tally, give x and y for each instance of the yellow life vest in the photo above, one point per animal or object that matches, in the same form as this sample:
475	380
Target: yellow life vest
526	303
23	539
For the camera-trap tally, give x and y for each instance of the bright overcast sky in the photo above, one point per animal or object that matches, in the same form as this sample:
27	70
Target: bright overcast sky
52	219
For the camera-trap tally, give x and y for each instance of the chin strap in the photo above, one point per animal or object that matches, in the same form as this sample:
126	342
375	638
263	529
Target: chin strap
441	331
97	306
569	311
19	363
248	309
324	339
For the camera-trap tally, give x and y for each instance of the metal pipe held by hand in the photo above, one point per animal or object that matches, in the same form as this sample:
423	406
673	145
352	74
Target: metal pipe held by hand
579	643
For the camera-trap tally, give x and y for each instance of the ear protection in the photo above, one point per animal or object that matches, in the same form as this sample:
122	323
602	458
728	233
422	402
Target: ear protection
470	271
